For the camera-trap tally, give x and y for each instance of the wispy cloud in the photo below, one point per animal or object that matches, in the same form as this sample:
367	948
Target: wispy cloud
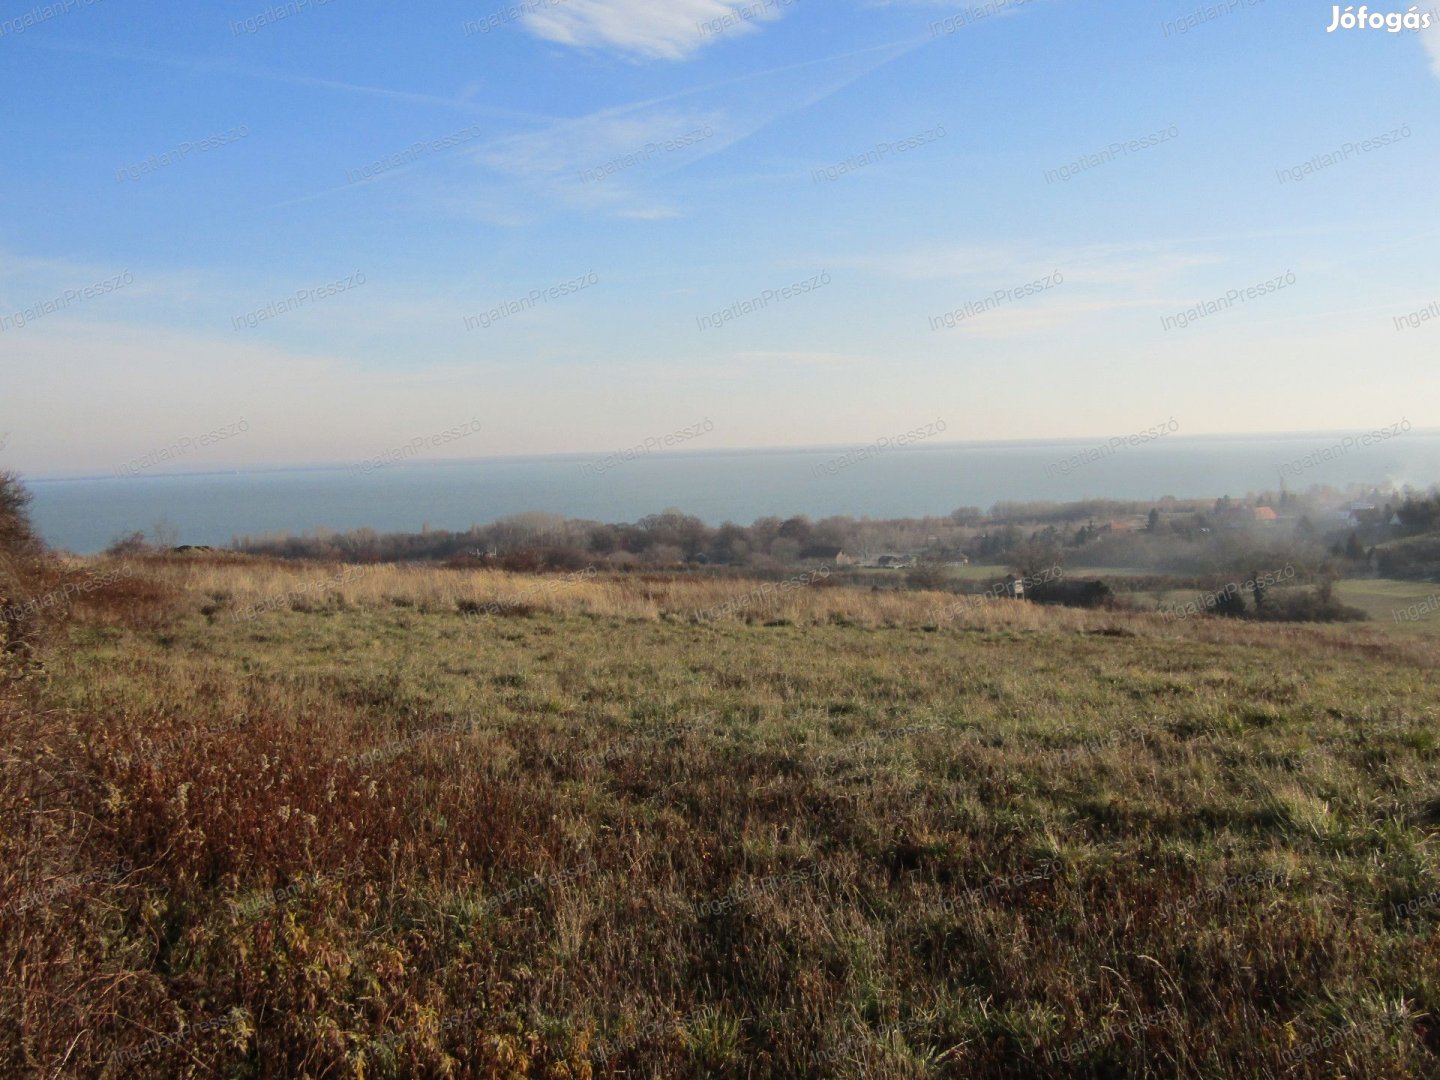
1065	286
1431	39
663	135
1098	264
471	102
545	164
631	138
660	29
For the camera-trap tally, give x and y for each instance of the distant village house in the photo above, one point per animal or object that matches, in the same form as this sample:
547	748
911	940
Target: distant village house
828	554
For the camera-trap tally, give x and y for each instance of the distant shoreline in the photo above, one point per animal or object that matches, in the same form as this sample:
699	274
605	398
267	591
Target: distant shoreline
701	452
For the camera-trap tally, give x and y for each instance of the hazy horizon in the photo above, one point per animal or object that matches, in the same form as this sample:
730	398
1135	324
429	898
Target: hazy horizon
717	485
224	469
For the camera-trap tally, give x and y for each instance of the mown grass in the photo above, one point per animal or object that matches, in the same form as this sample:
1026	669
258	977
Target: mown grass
824	834
1402	607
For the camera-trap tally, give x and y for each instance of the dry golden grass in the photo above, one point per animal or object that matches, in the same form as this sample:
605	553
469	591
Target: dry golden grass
353	832
245	585
246	588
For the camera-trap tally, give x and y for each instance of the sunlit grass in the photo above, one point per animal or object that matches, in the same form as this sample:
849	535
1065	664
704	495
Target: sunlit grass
827	835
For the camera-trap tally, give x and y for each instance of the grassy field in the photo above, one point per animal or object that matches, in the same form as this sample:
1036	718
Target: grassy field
1416	603
282	820
1383	600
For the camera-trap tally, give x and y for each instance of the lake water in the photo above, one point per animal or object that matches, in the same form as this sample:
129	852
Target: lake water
85	514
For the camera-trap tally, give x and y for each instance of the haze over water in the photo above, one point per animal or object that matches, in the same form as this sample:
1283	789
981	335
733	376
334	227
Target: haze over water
84	515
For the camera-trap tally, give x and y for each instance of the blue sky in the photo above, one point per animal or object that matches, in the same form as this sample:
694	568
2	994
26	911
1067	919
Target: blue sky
499	129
